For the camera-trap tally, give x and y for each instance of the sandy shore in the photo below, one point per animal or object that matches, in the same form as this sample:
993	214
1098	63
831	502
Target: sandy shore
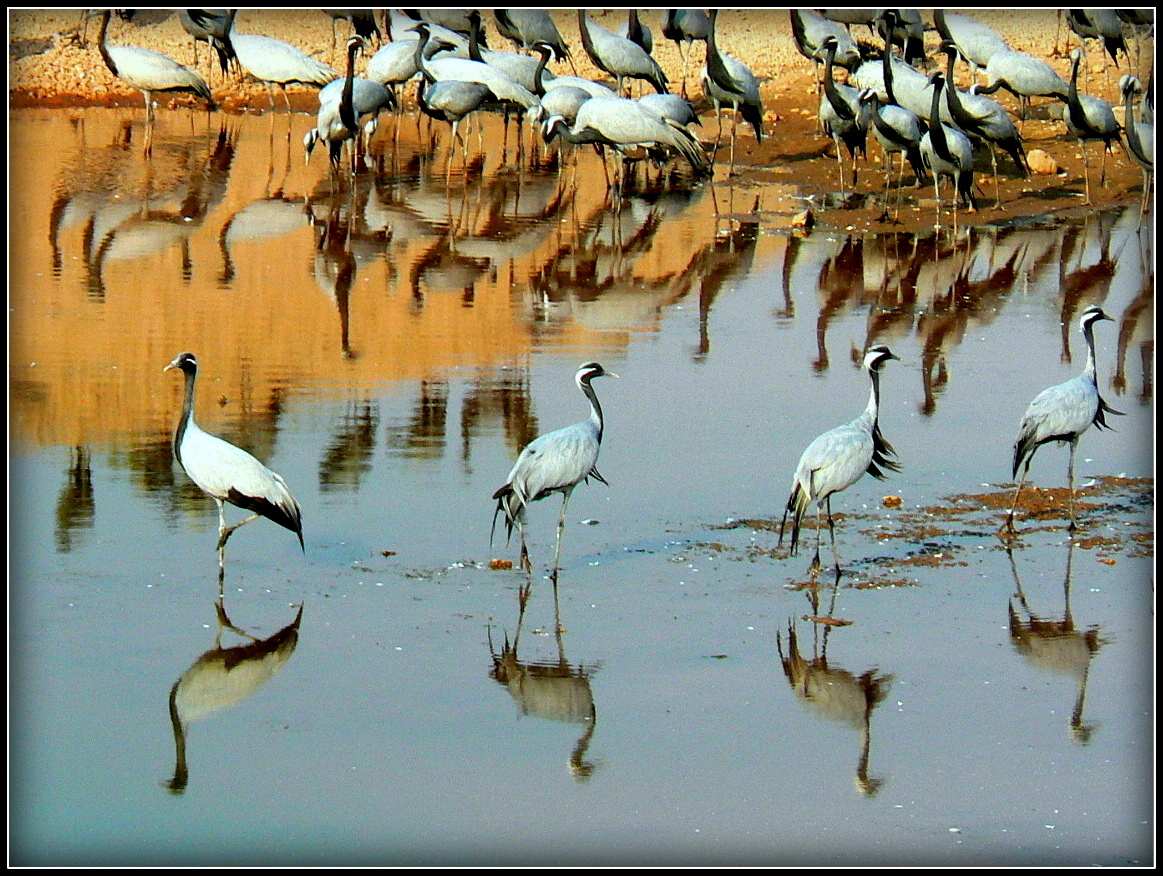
54	62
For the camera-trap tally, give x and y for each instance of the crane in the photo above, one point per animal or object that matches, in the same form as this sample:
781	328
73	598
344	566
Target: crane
1062	413
228	473
624	124
1089	118
555	462
685	26
619	56
978	41
729	82
984	119
209	26
149	71
898	131
274	62
528	26
837	459
349	107
451	100
1023	76
1140	136
844	115
948	152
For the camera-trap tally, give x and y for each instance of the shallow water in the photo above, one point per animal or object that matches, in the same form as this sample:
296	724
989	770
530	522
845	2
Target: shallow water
388	346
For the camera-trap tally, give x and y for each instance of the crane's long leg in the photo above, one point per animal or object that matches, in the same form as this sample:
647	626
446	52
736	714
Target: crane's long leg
224	531
1070	481
832	530
526	565
1008	526
814	568
1085	171
560	529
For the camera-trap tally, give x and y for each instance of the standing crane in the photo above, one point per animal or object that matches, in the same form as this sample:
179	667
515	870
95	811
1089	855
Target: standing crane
274	62
1023	76
149	71
984	119
349	109
837	459
844	115
209	26
555	462
624	124
685	26
1062	413
1089	118
1140	136
528	26
899	132
619	56
978	41
729	82
228	473
451	100
948	152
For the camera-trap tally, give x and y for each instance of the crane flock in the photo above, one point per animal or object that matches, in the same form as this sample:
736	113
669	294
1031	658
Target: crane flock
925	117
443	44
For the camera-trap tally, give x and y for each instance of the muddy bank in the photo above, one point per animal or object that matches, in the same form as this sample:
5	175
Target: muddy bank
54	62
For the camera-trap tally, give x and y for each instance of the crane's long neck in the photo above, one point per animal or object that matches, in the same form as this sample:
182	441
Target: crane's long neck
1131	129
936	129
421	60
886	59
474	39
1090	370
716	66
187	419
951	92
346	107
872	412
595	408
1073	104
103	46
838	105
583	22
540	71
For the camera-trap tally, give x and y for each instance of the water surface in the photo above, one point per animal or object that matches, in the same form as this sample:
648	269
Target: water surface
388	344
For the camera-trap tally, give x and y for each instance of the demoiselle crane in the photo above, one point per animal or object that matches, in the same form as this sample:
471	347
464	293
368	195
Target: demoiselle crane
685	26
525	27
555	462
637	32
228	473
619	56
209	26
899	132
844	115
274	62
728	82
1089	118
1062	413
984	119
624	124
948	152
1140	136
836	460
354	102
977	41
149	72
1023	76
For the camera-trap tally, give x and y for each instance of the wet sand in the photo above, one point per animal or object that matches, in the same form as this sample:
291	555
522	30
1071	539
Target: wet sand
54	62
